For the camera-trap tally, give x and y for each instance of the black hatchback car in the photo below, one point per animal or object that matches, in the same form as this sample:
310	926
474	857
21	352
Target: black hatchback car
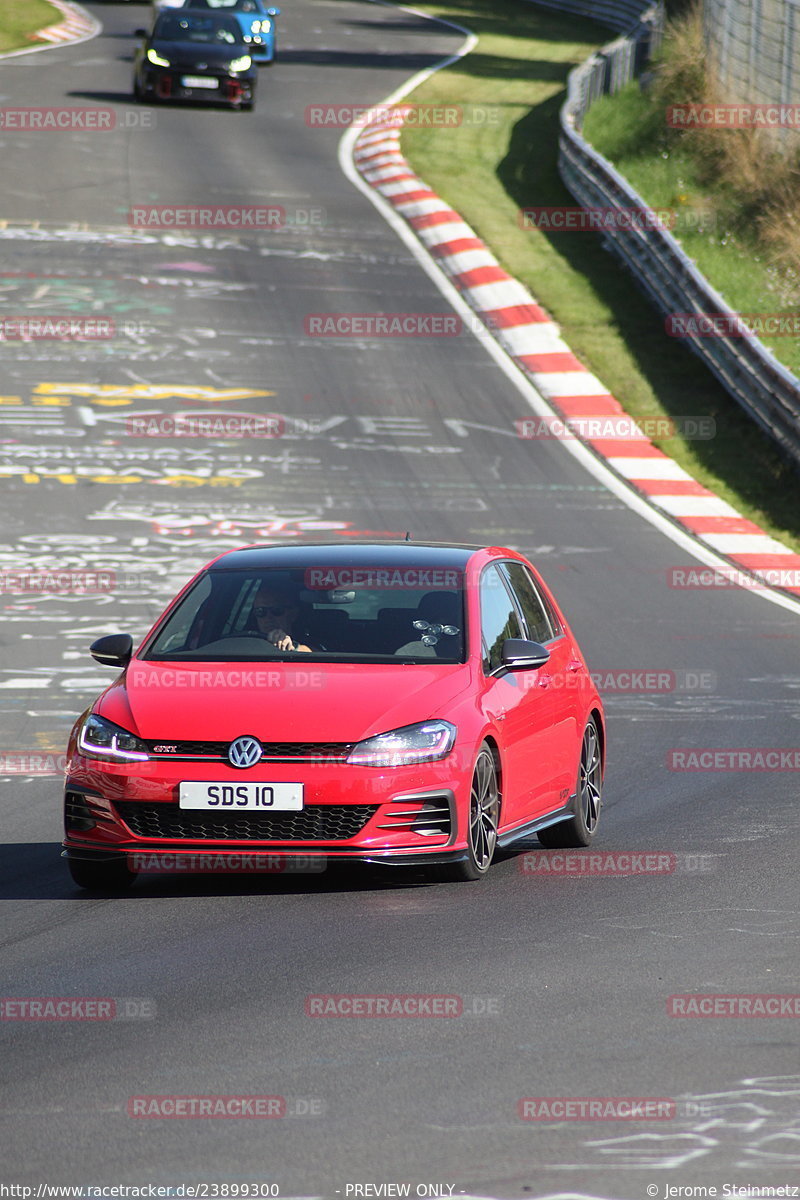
195	55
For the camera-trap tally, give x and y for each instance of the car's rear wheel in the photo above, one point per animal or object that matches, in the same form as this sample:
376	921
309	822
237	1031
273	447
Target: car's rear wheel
580	828
101	876
484	817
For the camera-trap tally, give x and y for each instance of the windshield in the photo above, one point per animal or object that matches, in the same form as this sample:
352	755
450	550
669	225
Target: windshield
251	615
201	30
245	6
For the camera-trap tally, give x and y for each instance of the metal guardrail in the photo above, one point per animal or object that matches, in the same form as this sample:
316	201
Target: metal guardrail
764	388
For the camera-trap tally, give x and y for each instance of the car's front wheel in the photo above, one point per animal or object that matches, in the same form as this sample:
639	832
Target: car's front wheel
484	817
580	828
101	876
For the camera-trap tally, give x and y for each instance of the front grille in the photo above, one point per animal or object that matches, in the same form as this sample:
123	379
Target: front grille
274	751
320	822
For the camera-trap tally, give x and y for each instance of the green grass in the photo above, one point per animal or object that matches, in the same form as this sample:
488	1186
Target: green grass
489	172
721	238
18	18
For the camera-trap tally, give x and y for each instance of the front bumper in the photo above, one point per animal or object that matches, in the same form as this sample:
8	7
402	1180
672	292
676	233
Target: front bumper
166	83
404	815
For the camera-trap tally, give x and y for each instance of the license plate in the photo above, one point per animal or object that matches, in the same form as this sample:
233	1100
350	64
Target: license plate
234	797
199	81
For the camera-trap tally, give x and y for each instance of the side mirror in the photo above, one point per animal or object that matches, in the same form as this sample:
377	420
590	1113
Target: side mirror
518	654
273	12
140	33
114	650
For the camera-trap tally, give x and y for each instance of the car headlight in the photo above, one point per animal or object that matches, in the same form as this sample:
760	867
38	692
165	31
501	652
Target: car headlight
156	59
266	26
103	739
241	64
425	742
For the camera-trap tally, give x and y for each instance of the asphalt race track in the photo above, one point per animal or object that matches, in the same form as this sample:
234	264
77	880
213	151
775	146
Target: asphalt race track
564	979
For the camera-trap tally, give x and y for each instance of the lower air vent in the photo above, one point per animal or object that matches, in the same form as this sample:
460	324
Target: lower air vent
429	816
321	822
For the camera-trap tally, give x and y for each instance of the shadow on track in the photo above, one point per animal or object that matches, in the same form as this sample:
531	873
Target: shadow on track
35	871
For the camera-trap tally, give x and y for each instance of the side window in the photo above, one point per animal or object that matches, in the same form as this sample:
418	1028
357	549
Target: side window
499	618
540	627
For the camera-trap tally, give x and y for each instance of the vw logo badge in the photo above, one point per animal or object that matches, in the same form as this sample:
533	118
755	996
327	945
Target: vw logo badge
244	752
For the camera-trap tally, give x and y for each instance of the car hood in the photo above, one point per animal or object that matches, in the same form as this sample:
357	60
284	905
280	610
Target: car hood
332	702
189	53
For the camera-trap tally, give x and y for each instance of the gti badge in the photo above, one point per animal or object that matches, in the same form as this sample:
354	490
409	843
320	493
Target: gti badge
244	752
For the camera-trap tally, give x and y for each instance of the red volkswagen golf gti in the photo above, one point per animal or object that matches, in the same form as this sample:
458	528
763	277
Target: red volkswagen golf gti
394	703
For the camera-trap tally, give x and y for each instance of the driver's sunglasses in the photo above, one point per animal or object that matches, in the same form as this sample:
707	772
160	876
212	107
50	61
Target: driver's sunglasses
269	610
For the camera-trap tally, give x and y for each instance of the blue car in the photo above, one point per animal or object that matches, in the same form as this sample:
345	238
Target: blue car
256	19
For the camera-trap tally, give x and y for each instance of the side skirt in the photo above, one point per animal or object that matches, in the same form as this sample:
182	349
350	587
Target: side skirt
509	836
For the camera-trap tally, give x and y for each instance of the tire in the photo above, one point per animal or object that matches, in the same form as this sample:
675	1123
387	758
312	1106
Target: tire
101	876
581	828
484	817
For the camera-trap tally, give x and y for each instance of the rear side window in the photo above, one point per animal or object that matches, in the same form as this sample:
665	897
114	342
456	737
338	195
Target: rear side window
540	626
499	618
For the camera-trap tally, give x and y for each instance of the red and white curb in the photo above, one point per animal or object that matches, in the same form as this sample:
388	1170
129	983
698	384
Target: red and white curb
77	26
532	340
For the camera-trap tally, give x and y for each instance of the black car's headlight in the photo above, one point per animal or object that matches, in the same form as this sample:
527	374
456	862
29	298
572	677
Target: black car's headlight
426	742
241	64
157	59
100	738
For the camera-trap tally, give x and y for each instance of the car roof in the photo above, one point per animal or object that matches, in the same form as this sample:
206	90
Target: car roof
361	554
226	18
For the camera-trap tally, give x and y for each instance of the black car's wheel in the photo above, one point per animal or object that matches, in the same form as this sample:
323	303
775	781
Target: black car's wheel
580	828
484	816
100	876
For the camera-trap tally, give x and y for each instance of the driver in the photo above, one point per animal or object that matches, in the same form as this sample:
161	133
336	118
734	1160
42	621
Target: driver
276	612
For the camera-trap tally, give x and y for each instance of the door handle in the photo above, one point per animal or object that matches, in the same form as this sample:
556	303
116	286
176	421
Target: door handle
574	665
544	680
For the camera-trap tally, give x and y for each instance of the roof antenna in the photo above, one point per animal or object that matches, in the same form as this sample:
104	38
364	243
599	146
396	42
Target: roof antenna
408	536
